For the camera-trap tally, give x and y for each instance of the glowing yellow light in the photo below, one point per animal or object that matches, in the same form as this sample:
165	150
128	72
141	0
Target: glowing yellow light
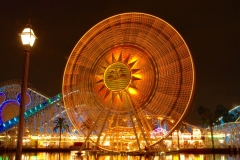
138	76
133	59
132	91
34	137
160	118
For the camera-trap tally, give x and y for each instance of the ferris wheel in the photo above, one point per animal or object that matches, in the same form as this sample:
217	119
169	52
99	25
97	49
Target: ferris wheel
128	82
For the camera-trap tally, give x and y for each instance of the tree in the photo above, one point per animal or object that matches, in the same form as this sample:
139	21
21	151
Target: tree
207	119
61	126
224	113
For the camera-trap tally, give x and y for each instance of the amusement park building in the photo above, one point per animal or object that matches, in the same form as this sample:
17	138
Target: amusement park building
127	86
42	111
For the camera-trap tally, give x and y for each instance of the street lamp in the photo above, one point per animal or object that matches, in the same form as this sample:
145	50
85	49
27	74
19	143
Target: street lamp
28	39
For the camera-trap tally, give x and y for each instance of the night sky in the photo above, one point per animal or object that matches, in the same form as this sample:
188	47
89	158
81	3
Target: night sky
211	30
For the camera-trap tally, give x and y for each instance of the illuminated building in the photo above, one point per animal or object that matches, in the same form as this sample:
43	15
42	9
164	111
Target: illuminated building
128	83
39	125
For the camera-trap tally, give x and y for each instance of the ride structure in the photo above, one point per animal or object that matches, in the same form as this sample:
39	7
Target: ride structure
127	86
127	75
41	111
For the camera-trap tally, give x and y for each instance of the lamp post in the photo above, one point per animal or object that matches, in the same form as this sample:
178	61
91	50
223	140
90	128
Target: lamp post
28	39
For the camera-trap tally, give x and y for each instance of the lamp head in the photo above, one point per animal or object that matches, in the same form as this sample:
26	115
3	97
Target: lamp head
28	37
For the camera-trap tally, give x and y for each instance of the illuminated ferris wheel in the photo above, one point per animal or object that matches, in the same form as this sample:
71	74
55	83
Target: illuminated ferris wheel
128	82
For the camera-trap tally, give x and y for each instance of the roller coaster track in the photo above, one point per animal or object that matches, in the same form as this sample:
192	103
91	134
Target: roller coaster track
48	103
30	113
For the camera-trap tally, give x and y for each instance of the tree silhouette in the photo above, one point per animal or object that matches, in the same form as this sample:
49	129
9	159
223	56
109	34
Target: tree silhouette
224	113
61	126
209	119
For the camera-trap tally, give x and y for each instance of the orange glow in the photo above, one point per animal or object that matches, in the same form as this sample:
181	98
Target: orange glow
160	118
120	72
132	91
138	76
134	59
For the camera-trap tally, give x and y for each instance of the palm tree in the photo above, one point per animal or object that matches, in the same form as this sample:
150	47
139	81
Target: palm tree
61	126
224	113
207	119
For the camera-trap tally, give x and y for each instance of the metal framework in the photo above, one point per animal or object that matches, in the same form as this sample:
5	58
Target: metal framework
10	99
225	135
41	111
128	75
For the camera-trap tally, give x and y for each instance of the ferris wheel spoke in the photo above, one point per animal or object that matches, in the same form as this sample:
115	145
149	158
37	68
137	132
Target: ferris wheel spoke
131	118
149	72
104	123
91	129
146	126
131	107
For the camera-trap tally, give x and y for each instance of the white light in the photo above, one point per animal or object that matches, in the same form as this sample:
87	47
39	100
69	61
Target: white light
26	140
73	137
221	140
28	37
106	143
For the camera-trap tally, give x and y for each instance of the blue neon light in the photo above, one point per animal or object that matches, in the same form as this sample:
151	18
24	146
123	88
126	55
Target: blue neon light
14	121
4	97
27	94
4	104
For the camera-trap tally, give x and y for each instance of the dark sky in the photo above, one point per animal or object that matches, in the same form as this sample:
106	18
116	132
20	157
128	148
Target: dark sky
211	30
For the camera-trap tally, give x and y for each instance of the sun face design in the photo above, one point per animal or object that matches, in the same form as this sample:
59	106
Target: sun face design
117	77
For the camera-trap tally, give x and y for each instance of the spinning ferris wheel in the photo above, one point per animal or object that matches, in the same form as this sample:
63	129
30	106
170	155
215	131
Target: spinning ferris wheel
128	82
